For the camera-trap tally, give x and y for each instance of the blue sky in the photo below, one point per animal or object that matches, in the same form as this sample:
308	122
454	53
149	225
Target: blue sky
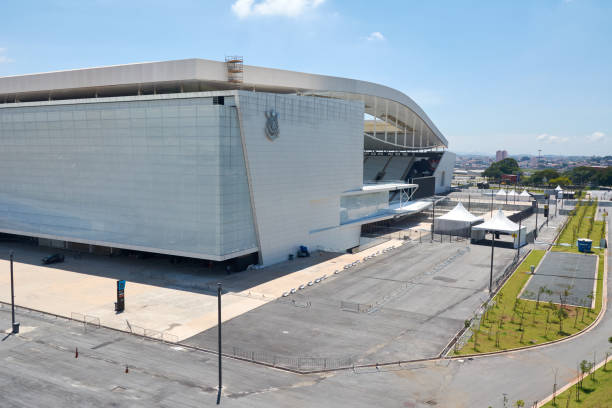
514	75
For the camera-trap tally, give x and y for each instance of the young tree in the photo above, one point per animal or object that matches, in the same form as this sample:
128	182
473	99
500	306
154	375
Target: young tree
541	290
561	315
585	367
519	403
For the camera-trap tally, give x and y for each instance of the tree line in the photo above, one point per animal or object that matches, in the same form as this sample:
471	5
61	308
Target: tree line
577	176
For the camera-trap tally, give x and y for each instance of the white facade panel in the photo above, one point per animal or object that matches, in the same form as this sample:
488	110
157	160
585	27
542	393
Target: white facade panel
444	172
298	178
161	174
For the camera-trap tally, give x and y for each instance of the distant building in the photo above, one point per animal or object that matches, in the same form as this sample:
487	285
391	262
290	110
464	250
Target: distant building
501	155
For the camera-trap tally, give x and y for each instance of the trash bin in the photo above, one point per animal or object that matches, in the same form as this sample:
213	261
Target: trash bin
584	245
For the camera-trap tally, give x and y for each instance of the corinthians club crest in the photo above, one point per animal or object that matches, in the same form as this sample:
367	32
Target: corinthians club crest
272	129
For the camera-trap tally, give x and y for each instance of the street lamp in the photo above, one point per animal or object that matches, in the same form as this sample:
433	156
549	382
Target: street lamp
219	334
491	274
15	324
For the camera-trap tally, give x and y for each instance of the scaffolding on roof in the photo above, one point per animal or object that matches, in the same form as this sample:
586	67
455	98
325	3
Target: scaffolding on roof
235	68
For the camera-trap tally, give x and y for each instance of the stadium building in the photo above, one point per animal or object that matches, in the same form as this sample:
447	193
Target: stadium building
212	160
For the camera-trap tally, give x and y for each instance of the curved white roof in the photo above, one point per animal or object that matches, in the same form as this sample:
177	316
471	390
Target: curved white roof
499	222
414	129
459	213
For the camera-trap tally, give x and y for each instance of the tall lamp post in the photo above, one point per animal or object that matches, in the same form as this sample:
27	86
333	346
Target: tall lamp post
536	211
219	334
15	324
433	218
491	274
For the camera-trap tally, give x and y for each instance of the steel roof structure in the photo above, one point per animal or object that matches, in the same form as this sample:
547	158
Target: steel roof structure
412	128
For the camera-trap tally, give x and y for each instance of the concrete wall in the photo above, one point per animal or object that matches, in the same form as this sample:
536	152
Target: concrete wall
444	172
162	173
298	178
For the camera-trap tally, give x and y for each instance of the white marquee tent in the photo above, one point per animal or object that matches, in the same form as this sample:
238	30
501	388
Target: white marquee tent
457	219
500	223
525	196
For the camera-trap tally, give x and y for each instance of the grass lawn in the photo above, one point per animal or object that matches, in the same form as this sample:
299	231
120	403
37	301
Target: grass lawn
593	393
512	323
582	224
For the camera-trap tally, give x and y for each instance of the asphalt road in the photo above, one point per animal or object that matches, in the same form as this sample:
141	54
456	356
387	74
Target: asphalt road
39	370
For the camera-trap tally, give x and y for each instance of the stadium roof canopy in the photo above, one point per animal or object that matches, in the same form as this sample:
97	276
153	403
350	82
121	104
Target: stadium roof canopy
411	127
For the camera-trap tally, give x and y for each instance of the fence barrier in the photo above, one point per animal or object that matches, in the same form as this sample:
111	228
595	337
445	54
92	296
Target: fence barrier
293	363
355	307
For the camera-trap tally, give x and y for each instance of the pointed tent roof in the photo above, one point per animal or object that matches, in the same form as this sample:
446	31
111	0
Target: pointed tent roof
459	213
525	194
501	192
499	222
558	188
512	193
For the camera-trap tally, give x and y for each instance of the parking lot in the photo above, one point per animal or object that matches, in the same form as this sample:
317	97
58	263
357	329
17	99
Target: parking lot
406	304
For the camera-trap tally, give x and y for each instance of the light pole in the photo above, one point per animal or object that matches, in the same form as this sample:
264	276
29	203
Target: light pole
491	202
518	247
433	218
491	274
219	331
15	324
536	210
548	213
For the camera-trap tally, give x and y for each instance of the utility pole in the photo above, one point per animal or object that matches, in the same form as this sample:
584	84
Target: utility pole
15	324
219	331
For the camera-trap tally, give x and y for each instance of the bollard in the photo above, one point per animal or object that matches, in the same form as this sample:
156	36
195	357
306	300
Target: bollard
76	353
127	370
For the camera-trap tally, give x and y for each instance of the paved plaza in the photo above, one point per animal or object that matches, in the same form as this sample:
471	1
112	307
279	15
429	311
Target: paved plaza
406	304
176	300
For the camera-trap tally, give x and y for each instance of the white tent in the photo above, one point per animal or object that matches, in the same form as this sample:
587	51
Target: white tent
501	192
558	188
457	219
500	223
512	193
525	196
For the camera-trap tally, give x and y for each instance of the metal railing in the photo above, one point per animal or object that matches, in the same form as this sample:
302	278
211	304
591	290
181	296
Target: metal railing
293	363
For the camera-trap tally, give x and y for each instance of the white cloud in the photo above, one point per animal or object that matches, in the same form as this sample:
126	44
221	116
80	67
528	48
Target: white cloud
375	36
596	136
3	57
545	137
285	8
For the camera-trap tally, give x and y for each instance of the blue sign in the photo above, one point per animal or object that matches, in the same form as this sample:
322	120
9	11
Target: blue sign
121	285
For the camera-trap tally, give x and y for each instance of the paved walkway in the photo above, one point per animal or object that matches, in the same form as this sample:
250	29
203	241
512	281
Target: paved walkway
42	359
176	303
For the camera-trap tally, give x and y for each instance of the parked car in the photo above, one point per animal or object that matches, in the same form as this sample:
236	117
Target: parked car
51	259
